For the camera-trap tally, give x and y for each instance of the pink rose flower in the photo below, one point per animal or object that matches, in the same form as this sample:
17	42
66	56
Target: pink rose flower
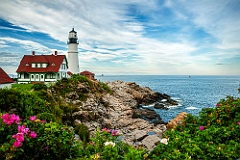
23	129
33	118
201	128
19	137
33	134
10	119
107	130
16	118
17	144
238	123
114	132
7	119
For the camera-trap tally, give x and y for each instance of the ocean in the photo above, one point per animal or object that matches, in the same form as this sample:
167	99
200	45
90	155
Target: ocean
192	92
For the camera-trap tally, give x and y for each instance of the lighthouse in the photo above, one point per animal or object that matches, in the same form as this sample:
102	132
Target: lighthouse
73	62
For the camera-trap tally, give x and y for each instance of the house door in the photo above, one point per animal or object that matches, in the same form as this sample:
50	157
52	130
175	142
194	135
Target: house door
42	77
37	77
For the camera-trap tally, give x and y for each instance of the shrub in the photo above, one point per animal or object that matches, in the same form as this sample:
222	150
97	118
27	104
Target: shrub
105	87
35	139
82	131
25	103
39	86
214	134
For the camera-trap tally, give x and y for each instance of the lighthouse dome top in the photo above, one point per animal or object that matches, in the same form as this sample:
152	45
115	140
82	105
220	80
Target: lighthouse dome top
72	31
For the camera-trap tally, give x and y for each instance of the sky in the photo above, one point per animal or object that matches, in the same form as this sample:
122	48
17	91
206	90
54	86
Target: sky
138	37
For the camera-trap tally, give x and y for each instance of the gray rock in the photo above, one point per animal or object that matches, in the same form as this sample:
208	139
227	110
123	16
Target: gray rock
151	141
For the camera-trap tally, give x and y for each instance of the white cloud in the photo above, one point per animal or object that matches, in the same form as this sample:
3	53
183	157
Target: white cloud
219	18
26	44
107	32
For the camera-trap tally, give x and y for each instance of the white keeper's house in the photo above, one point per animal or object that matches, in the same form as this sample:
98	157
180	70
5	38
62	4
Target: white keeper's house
50	68
42	68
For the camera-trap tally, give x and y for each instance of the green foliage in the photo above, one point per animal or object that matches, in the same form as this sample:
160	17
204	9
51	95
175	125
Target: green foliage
22	87
105	146
25	103
105	87
52	141
218	137
49	117
39	86
82	131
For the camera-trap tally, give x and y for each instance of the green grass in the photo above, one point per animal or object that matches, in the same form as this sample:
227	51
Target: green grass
26	87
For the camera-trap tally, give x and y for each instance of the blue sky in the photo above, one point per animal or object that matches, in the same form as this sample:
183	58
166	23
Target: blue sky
165	37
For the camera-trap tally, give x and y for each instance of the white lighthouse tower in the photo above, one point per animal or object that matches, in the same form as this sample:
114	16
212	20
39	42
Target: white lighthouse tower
73	62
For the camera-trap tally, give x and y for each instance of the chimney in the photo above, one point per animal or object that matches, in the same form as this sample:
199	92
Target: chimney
33	53
55	53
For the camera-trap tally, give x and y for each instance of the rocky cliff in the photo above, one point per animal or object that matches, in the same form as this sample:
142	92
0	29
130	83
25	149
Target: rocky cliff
120	110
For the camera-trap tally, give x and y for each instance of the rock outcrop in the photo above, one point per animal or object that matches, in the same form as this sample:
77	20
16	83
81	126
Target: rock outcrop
177	120
120	110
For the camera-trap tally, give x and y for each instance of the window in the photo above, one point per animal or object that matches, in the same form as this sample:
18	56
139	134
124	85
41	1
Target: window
41	76
39	65
63	66
26	75
33	65
44	65
53	64
52	75
26	64
32	76
36	76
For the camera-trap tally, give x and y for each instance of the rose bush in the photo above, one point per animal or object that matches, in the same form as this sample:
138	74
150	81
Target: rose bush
35	139
214	134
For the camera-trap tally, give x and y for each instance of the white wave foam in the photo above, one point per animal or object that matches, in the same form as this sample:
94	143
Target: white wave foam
164	100
191	107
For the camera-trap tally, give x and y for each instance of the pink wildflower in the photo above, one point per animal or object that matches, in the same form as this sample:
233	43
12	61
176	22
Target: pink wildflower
218	104
7	119
17	144
201	128
33	118
23	129
19	137
114	132
107	130
238	123
16	118
43	121
33	134
10	119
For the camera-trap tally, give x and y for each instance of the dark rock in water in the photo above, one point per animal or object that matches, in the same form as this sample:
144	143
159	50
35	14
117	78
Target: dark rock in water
147	114
158	105
151	98
172	102
165	96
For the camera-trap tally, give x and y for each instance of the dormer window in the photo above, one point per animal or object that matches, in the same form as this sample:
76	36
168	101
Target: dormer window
39	65
53	64
33	65
26	64
44	65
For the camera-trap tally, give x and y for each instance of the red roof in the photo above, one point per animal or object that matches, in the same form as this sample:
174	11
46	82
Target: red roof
86	73
4	77
53	63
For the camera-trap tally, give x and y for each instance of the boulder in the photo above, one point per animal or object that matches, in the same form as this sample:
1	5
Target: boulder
177	120
150	142
158	105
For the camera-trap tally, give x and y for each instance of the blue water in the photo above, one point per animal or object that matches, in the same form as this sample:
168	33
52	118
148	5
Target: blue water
193	93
